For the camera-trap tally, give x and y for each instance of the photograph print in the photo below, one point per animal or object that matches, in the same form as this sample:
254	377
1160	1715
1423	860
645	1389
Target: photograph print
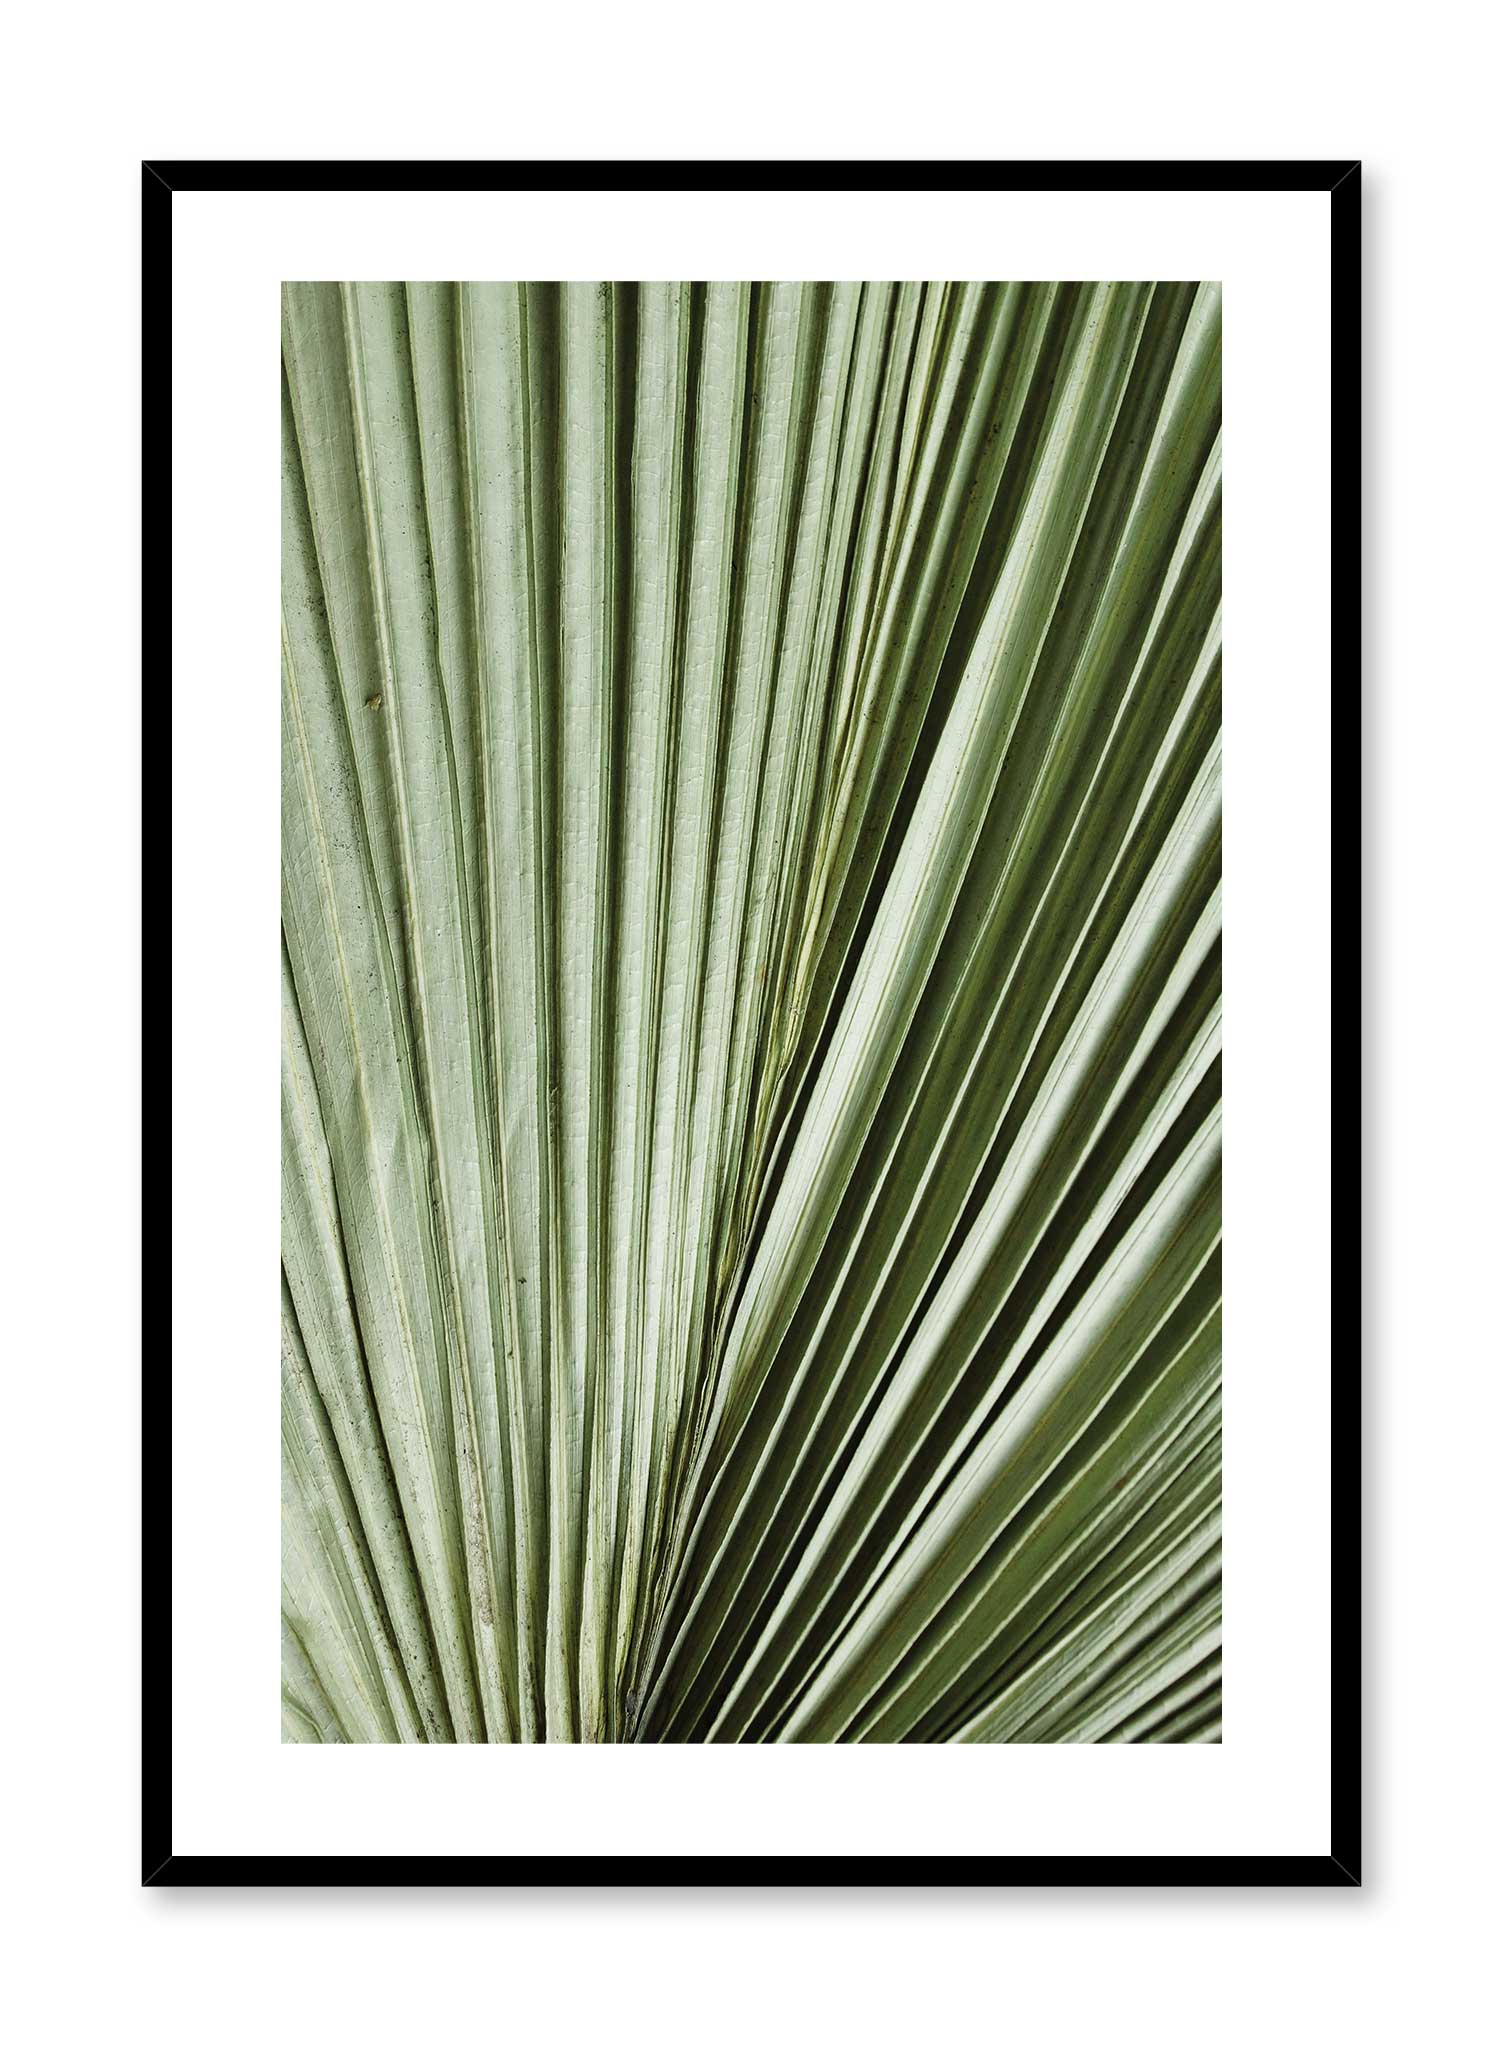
751	996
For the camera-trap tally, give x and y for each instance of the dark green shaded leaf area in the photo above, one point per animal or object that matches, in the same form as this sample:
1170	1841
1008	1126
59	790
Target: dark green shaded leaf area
751	1010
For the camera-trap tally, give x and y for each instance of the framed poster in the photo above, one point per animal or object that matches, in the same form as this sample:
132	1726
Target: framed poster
746	802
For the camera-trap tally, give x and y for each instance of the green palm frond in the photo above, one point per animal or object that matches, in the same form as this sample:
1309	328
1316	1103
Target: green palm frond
751	999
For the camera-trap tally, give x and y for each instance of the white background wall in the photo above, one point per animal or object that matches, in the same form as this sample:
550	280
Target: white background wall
92	92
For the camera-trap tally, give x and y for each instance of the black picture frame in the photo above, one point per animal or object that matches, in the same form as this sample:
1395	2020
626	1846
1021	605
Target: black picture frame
160	179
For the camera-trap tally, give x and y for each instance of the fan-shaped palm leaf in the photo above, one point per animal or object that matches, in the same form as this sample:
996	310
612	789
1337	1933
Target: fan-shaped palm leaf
751	1010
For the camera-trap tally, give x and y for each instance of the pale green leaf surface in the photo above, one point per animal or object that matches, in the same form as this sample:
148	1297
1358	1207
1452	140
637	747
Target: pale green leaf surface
751	1068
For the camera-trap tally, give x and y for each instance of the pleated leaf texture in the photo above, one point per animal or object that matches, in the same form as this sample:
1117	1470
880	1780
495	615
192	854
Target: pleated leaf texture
751	1002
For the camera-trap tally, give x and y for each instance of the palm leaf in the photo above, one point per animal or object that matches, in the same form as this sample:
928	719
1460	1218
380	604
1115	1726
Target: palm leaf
751	1002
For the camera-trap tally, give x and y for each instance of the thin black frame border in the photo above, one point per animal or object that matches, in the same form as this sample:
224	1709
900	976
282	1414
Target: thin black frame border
160	178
